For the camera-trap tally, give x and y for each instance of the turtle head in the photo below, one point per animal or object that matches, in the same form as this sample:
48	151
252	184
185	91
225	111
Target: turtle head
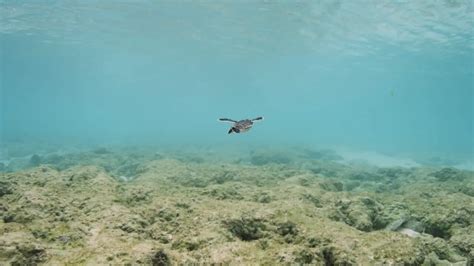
233	129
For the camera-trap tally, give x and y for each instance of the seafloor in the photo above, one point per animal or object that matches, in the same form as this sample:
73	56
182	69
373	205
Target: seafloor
134	206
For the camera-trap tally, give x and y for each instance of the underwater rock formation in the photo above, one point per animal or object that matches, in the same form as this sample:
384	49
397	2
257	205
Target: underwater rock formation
35	160
365	176
363	214
176	212
449	174
246	228
467	189
332	185
5	188
159	258
393	173
26	254
224	193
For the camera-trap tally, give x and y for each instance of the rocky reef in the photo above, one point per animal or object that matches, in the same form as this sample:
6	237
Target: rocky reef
116	207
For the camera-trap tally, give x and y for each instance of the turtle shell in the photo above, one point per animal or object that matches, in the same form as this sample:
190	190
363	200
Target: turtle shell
243	125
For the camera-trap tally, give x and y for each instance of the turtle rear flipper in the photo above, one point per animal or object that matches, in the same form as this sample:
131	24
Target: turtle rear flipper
230	130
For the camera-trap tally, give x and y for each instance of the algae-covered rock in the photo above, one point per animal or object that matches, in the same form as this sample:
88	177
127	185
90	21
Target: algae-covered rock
35	160
263	158
29	254
304	256
160	258
363	214
187	244
433	259
414	225
333	256
158	235
315	200
17	215
467	189
167	215
440	225
351	185
396	224
449	174
288	230
83	215
129	170
331	185
365	176
442	249
463	240
387	187
393	172
134	197
321	170
191	181
224	193
82	175
304	181
247	229
226	176
134	225
263	197
314	241
398	217
5	188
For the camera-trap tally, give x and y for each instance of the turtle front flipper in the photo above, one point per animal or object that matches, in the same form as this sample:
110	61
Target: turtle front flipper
258	118
230	130
227	120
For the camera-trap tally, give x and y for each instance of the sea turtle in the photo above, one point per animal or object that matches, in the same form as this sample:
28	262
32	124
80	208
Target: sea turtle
240	126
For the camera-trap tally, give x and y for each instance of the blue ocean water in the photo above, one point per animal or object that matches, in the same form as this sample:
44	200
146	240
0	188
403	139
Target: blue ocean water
392	77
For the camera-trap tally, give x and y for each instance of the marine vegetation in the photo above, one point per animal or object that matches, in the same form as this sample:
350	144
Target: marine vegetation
117	206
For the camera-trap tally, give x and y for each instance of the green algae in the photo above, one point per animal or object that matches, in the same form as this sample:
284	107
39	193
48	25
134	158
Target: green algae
309	210
247	229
